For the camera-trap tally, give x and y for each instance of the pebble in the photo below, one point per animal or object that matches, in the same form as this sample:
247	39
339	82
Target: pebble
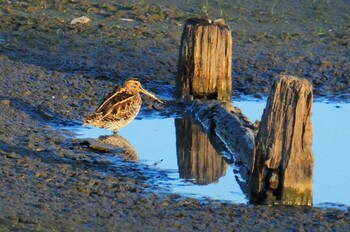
93	144
44	111
81	20
258	96
127	19
12	155
5	103
41	174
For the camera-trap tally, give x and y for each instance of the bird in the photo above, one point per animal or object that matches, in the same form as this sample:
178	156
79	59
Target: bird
120	107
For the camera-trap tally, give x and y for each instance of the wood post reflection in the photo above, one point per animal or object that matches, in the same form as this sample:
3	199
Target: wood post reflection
196	157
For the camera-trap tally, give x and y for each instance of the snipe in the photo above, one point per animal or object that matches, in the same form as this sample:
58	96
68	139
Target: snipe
120	107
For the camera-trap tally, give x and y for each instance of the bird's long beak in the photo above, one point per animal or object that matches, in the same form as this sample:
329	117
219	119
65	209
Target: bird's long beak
150	95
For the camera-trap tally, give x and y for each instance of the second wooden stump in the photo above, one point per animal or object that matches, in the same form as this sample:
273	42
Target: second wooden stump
283	159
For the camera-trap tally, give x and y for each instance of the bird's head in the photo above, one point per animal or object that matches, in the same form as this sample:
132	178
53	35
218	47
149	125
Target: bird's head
135	86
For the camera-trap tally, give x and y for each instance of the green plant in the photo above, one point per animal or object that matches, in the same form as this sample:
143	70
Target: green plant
205	8
273	7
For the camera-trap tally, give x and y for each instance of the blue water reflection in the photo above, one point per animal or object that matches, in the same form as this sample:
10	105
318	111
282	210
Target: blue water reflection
155	143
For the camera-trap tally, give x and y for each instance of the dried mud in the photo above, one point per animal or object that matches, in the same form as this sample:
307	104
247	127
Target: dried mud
53	74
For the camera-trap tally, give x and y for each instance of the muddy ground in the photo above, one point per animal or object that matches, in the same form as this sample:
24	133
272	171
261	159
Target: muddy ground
53	74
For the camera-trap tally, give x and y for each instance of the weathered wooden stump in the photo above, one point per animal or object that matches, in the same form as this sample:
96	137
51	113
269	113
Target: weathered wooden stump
204	69
282	170
196	157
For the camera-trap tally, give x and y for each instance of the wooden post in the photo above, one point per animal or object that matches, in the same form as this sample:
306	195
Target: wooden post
196	157
204	69
282	168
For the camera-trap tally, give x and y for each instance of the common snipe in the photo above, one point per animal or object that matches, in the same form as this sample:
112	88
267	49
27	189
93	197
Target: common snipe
120	107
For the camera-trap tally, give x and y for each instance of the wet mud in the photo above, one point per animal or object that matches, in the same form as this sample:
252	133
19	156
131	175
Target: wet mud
53	74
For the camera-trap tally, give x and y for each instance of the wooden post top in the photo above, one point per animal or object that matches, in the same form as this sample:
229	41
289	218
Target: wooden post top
205	59
207	22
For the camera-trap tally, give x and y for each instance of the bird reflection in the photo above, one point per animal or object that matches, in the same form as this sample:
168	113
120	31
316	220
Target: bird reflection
128	153
196	157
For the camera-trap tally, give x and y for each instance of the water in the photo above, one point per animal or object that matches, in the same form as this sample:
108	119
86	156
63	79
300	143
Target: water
196	169
155	143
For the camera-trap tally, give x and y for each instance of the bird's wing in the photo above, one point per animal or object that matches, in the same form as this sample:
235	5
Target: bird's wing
116	104
115	96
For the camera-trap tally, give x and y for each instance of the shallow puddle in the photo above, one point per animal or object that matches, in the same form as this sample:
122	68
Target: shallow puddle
190	171
195	169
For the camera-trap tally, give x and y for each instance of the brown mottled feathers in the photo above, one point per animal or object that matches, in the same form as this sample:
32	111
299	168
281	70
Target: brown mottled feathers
120	107
115	103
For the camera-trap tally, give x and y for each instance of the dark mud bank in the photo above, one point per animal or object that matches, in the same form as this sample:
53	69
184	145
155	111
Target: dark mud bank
308	40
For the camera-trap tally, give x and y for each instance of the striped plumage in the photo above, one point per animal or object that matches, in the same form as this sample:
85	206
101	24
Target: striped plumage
120	107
